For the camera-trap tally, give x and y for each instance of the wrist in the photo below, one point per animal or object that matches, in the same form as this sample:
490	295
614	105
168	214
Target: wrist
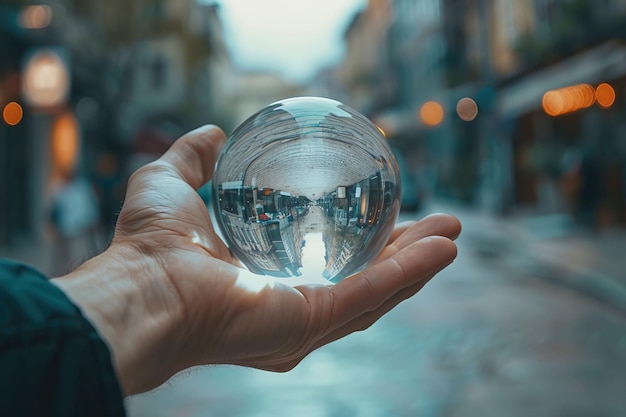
130	303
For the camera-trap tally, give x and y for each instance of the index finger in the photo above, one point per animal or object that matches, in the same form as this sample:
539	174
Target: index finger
437	224
371	288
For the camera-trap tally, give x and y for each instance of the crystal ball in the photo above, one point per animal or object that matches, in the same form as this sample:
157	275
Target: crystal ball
306	189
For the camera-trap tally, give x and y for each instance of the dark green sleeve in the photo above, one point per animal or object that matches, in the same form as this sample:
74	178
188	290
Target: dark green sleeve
52	360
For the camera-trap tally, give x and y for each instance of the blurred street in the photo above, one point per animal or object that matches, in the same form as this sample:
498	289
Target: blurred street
493	335
528	319
508	114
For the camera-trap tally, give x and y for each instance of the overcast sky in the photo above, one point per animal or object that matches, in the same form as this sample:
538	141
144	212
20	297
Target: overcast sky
294	37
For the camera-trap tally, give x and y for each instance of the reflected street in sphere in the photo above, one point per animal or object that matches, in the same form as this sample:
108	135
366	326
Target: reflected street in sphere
306	189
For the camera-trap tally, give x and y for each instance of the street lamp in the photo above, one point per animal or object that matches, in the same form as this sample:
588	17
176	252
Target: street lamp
45	79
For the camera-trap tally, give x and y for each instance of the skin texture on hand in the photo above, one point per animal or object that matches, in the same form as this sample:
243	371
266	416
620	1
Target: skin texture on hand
167	294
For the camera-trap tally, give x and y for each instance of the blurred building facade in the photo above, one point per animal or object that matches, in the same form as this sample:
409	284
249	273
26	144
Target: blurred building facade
23	33
140	74
504	55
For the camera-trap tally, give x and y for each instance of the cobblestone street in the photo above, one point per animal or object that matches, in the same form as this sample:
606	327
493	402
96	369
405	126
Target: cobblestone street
487	337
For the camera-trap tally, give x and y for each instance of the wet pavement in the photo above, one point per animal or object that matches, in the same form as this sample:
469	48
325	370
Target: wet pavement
492	335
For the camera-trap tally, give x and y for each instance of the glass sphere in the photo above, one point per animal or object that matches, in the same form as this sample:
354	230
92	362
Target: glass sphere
306	189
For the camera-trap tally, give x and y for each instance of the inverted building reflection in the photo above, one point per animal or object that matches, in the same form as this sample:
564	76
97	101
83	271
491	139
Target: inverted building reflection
271	227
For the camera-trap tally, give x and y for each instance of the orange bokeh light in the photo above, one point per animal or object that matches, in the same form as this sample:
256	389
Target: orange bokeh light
589	95
65	143
568	99
552	103
12	113
431	113
605	95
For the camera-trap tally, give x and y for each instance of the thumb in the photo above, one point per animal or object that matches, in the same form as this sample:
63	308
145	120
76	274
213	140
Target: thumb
193	156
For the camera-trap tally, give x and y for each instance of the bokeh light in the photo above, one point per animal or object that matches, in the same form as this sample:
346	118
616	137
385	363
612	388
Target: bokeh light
552	103
65	143
12	113
467	109
605	95
35	17
46	79
589	95
568	99
431	113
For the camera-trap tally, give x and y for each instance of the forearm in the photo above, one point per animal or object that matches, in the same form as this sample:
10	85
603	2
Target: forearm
135	311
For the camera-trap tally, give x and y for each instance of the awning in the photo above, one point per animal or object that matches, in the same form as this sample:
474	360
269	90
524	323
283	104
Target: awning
601	64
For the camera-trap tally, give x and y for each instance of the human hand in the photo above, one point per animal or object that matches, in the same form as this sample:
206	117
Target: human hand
167	294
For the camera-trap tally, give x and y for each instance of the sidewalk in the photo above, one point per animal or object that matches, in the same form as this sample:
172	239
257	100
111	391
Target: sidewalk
593	262
551	247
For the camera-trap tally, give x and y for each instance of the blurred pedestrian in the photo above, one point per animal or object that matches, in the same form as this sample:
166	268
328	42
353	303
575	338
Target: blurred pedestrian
168	295
74	217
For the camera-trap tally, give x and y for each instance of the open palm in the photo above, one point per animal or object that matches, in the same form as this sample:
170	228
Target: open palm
228	315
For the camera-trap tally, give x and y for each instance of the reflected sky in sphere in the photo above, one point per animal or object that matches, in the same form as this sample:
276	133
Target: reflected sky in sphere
306	189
